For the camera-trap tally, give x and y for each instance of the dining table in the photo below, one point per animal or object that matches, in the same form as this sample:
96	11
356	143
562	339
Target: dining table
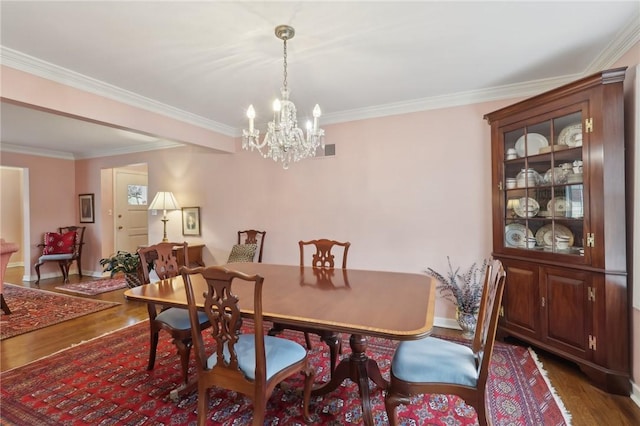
362	303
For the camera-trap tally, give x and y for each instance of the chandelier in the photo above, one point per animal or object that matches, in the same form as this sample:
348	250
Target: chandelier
284	140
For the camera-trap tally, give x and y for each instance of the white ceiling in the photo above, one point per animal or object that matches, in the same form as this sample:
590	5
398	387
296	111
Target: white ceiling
206	61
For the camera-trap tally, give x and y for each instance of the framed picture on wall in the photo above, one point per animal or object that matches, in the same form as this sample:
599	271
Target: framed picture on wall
86	208
191	221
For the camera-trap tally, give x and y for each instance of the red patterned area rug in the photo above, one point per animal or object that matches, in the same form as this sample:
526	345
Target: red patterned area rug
105	382
91	288
32	309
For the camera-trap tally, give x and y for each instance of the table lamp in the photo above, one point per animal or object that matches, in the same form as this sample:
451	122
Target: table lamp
164	201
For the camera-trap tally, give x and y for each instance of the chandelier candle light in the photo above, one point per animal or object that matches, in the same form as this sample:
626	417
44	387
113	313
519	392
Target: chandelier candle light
284	140
164	201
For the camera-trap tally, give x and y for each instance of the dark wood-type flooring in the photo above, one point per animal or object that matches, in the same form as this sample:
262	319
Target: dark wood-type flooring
587	404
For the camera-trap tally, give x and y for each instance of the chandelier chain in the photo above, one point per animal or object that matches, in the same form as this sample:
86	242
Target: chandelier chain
284	82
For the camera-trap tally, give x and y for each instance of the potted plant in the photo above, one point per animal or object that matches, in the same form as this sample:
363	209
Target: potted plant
464	290
123	261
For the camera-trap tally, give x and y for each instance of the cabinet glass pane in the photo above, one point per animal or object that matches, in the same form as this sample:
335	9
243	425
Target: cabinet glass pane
543	186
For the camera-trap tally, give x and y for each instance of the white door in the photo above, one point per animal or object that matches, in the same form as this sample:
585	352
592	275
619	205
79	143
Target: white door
131	209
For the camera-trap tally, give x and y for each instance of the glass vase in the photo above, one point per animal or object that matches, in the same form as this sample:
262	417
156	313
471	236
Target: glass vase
467	322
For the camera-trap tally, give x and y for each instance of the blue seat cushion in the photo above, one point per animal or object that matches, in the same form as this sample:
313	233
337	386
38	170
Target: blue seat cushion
433	360
178	318
280	354
47	257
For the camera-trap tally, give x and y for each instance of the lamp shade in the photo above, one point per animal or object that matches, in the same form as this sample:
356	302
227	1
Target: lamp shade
164	201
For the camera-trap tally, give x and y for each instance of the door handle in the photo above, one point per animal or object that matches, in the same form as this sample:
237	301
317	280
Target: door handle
120	228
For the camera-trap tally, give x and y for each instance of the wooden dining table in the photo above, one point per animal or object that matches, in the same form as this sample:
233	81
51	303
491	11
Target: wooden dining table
362	303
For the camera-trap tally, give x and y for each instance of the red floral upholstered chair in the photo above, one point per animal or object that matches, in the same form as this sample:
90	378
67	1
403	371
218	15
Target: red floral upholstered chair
63	247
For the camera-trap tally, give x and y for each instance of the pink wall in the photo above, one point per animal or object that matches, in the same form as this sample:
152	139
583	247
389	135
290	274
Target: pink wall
53	200
11	224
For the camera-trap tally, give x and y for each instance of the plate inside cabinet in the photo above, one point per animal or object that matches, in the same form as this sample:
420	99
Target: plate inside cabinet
515	235
526	207
544	235
559	205
571	135
535	141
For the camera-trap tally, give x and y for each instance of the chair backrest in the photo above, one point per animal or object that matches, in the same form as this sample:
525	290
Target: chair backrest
251	236
487	324
323	257
79	230
221	307
164	259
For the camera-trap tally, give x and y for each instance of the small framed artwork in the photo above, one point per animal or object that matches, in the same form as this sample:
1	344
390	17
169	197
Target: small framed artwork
86	208
191	221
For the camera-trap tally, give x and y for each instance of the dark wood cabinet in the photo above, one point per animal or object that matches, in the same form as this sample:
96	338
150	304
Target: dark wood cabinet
558	203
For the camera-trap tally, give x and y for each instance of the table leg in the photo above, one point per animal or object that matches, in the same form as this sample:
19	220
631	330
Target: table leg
359	368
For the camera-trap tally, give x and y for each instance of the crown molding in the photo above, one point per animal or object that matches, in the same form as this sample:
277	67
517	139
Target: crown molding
145	147
624	40
23	62
19	149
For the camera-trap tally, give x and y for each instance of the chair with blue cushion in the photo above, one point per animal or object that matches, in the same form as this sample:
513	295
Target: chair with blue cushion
161	261
437	366
251	364
322	259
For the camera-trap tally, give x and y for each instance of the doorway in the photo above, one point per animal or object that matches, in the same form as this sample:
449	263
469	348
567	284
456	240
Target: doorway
124	195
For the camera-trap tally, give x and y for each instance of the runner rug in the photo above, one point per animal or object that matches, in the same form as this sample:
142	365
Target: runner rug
105	382
32	309
91	288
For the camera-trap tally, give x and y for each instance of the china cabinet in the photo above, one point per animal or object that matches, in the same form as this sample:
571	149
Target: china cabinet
558	203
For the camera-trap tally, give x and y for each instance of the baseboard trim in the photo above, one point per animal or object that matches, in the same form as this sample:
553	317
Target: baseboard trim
58	274
446	323
635	393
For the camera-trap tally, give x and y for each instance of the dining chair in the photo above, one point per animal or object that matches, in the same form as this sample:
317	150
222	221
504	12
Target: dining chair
249	363
437	366
252	236
63	247
323	259
162	258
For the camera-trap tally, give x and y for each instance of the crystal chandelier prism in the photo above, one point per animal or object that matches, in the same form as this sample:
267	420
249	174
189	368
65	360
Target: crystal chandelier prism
284	140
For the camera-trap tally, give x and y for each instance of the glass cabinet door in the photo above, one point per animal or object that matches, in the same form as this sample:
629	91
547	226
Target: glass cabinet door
543	185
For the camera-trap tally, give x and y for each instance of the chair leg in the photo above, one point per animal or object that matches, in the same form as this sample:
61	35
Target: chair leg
79	265
184	350
38	272
4	306
153	345
309	375
64	267
307	340
334	342
259	408
391	402
482	413
203	405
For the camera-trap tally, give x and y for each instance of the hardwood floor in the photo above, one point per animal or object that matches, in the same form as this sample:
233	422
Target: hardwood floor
587	404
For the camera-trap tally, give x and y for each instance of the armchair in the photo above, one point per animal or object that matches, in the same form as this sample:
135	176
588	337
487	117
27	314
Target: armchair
63	247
